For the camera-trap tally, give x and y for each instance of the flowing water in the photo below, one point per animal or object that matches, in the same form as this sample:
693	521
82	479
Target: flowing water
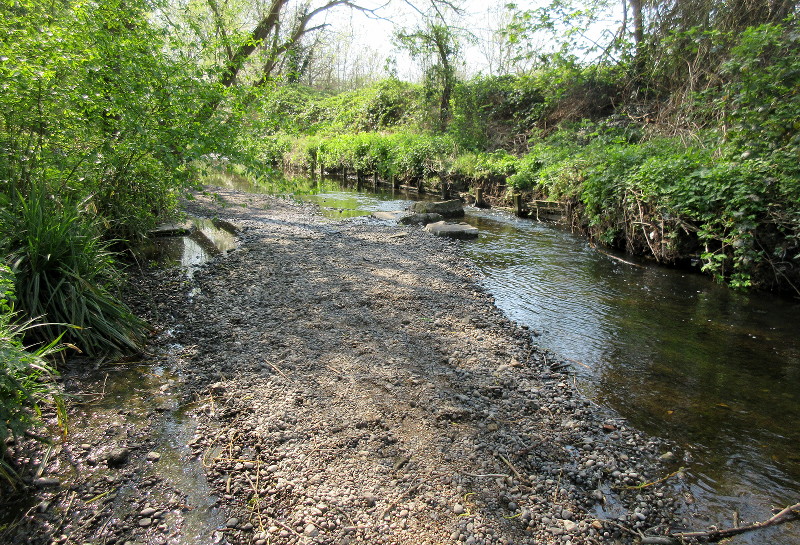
713	370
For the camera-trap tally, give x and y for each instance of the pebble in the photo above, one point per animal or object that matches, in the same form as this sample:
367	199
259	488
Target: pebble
118	457
458	509
153	456
43	482
145	522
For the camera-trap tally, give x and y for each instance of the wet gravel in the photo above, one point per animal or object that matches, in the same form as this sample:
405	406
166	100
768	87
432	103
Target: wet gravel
344	382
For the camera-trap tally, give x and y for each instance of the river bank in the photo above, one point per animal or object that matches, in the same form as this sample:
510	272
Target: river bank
342	382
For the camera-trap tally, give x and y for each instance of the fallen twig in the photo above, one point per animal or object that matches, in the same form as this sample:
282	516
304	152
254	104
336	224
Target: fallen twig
645	485
712	536
513	469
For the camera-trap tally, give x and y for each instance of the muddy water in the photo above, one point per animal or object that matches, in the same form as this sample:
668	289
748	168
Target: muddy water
715	371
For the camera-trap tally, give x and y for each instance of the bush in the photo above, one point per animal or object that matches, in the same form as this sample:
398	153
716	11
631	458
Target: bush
64	274
494	112
483	166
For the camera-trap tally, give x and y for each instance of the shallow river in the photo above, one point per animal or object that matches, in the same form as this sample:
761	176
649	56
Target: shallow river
715	371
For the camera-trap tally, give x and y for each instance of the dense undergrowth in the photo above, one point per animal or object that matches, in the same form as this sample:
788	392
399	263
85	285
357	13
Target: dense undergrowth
715	184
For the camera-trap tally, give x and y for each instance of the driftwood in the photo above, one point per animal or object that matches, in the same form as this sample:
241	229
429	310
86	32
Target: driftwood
712	536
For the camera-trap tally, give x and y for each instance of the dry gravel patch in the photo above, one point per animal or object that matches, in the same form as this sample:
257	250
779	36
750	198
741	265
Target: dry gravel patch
350	382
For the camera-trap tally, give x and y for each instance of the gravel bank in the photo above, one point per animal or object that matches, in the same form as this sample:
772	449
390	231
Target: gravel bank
348	382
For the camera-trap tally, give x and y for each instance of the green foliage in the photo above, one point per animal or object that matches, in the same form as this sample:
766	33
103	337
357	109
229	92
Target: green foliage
674	202
484	166
403	155
495	112
760	99
26	378
93	105
384	105
436	46
64	274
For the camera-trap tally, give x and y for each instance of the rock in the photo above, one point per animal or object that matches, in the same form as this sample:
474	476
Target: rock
391	216
421	219
458	509
448	209
217	388
310	530
667	457
400	461
153	456
453	230
145	522
42	482
147	512
570	526
172	230
118	457
232	522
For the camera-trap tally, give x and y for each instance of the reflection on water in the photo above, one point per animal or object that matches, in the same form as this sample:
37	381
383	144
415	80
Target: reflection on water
680	357
205	241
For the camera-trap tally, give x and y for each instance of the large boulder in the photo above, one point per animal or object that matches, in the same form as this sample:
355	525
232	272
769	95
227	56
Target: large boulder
448	209
453	230
421	219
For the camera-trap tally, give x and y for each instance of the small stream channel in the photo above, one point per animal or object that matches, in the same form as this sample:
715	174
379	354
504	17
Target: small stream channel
713	370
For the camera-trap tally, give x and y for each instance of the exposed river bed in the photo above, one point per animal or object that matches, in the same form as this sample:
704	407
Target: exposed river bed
710	369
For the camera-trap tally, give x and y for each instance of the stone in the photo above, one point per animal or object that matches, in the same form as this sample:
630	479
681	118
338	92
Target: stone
43	482
172	230
570	526
448	209
421	219
667	457
118	457
458	509
145	522
453	230
397	215
310	530
153	456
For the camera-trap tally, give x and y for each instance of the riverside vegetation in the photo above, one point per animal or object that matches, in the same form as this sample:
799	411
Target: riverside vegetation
676	138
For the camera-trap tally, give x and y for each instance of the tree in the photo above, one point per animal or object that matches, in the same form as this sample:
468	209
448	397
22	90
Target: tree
435	44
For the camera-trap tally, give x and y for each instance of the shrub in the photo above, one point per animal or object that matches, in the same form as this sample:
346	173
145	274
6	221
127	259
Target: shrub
483	166
26	378
64	274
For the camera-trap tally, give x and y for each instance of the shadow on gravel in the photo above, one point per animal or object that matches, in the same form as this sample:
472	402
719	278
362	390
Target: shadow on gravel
356	385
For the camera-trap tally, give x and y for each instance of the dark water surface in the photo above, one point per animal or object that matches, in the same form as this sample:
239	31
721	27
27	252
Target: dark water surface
713	370
716	371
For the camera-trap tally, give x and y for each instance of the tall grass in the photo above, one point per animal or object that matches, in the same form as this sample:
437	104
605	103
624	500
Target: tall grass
64	273
26	379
